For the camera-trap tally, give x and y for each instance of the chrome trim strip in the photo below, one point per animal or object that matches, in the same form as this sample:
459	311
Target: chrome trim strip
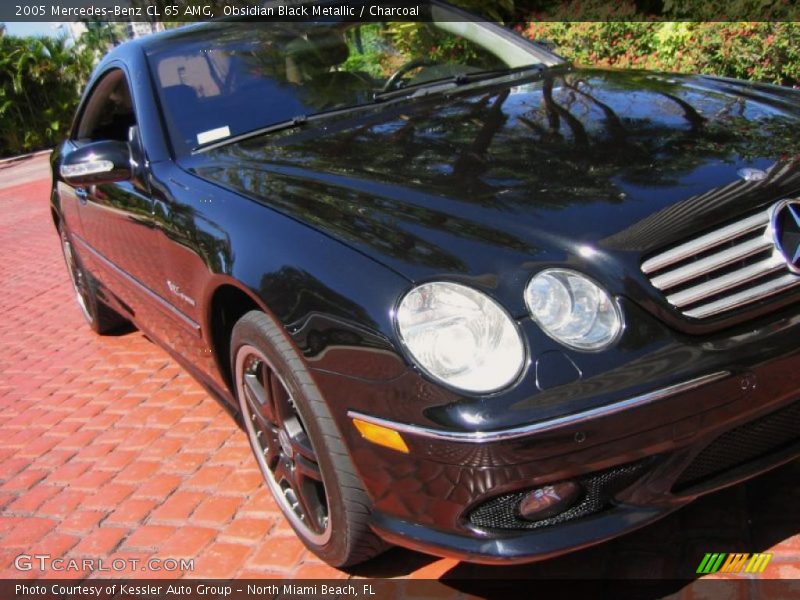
159	301
501	435
706	242
765	290
711	263
727	281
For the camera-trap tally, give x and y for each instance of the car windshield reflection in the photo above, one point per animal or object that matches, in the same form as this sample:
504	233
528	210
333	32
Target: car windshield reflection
228	80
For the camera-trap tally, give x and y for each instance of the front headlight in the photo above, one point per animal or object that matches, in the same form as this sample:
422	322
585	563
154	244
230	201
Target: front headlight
573	310
460	336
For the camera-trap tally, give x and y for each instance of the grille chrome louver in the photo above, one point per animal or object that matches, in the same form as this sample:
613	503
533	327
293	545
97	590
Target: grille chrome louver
722	270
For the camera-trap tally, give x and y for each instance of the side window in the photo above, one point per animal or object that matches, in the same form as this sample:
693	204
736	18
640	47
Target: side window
109	111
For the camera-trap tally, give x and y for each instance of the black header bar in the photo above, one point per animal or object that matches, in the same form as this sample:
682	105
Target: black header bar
184	11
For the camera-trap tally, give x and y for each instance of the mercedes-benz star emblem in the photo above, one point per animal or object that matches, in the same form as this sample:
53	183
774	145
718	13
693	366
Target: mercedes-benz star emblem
786	232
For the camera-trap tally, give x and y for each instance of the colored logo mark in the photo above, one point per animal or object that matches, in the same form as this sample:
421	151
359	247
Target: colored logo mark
722	562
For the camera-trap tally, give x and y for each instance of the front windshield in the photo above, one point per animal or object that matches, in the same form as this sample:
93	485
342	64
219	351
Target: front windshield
229	78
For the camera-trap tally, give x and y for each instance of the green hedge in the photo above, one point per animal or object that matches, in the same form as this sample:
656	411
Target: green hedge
759	51
40	83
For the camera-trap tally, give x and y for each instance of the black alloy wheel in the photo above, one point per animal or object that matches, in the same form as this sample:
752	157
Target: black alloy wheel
100	317
298	446
77	276
282	446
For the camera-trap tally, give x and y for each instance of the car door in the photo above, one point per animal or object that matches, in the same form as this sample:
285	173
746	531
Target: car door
116	219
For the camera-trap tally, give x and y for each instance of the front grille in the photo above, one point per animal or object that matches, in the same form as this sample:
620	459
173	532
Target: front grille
748	442
722	270
502	512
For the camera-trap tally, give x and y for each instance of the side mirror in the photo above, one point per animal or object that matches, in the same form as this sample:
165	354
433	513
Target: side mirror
96	163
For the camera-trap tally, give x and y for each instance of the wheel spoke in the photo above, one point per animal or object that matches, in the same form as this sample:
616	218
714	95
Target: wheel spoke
270	448
298	438
307	469
280	400
308	492
265	380
258	399
282	470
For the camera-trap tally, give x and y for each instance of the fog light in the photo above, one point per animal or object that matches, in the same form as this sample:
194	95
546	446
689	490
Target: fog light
549	500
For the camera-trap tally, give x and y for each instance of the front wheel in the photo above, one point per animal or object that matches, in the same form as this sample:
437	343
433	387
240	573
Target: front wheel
297	445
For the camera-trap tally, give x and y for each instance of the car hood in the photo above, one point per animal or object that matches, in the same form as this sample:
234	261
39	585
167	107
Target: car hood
486	185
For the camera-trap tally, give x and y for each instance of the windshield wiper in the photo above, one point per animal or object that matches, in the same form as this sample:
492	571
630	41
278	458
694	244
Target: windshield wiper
421	89
447	83
292	123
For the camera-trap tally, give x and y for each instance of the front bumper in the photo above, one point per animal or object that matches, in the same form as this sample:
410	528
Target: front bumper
744	386
638	502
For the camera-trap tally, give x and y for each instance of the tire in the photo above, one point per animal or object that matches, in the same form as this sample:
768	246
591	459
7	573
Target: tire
289	427
99	316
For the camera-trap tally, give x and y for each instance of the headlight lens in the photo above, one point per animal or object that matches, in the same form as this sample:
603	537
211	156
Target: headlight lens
572	309
460	336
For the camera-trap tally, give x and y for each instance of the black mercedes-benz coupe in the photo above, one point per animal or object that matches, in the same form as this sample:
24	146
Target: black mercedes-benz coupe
463	296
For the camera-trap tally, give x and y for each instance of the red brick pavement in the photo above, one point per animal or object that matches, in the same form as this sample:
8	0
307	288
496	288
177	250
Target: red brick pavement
97	456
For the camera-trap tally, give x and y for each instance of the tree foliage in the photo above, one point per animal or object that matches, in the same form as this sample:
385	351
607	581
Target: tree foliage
759	51
40	83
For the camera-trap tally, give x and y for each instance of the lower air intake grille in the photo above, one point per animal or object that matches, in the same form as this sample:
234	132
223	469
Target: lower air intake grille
502	512
748	442
722	270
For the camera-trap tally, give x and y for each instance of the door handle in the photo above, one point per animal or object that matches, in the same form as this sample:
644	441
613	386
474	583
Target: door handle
82	194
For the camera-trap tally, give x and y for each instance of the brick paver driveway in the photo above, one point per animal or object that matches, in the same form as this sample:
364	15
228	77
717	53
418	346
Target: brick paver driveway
108	449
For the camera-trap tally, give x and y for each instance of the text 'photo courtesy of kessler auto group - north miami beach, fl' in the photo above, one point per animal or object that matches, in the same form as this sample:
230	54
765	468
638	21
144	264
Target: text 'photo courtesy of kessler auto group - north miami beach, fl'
399	299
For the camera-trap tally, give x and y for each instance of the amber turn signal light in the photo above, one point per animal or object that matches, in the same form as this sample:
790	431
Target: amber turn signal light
380	435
